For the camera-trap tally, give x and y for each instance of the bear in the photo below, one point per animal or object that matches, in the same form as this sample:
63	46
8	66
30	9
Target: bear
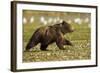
50	34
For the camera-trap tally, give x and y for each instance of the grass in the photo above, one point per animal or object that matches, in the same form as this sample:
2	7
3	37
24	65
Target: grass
80	51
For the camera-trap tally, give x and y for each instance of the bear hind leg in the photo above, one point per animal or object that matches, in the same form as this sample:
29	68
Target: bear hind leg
43	47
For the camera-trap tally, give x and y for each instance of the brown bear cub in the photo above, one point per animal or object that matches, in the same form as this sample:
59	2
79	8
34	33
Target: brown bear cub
50	34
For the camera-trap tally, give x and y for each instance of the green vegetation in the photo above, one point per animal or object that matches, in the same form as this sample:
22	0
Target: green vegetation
80	51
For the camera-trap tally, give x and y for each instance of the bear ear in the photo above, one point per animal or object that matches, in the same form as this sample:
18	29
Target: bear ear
63	22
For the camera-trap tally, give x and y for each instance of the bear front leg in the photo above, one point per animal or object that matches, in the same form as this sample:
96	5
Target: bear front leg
60	45
60	42
43	47
67	42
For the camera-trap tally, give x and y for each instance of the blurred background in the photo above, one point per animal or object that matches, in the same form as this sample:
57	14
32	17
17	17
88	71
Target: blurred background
50	18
